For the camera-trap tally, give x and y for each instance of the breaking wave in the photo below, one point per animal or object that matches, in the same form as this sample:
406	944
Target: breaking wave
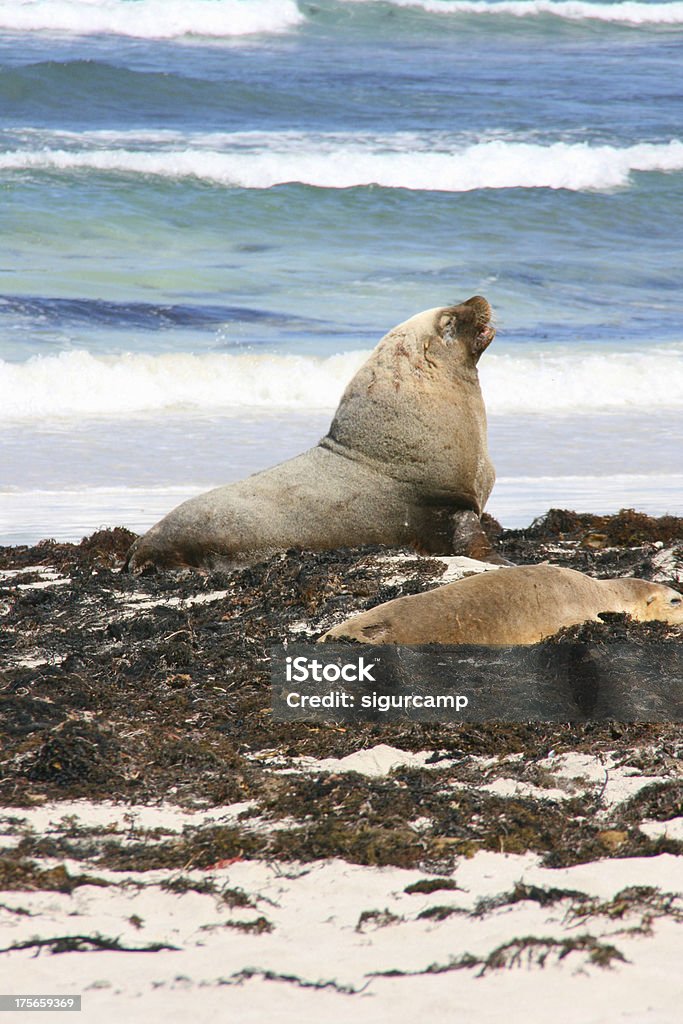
628	12
266	159
223	19
78	384
151	19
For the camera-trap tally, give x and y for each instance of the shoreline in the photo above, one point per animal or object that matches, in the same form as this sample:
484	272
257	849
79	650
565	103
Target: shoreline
517	501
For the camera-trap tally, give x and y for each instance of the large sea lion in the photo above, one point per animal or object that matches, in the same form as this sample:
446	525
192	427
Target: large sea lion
405	462
521	605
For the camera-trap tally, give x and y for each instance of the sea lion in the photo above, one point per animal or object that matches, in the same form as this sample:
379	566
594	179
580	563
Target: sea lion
521	605
405	462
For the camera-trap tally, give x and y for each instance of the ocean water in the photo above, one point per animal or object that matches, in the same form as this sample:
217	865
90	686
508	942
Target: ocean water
211	210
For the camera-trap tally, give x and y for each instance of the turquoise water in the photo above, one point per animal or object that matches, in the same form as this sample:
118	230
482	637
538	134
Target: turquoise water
212	208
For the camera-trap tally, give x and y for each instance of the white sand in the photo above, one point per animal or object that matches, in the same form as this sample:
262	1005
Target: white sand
315	910
317	933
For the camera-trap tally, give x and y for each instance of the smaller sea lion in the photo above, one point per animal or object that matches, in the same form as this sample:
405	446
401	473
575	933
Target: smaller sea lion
521	605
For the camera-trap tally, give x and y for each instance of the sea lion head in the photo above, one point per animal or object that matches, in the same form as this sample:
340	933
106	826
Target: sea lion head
467	326
441	338
656	602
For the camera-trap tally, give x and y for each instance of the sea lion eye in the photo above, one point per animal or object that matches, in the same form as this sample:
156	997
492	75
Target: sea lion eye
676	600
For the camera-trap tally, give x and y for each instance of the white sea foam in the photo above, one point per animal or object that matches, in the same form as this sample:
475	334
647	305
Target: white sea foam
628	12
150	19
576	381
171	19
335	162
78	384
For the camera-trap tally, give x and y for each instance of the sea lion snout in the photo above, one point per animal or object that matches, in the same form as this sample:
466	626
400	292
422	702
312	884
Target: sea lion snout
484	332
481	307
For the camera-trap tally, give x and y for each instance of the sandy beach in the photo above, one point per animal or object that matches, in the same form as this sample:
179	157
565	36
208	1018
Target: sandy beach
169	851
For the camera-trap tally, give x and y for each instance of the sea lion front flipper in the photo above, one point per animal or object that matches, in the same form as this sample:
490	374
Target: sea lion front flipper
468	538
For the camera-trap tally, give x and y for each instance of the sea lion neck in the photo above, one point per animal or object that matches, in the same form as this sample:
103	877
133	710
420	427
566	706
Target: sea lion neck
415	403
466	373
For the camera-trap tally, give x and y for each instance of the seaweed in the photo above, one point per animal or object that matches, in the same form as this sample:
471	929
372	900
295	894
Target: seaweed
156	688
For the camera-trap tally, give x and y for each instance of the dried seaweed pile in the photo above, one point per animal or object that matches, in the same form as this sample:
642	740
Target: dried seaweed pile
157	688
